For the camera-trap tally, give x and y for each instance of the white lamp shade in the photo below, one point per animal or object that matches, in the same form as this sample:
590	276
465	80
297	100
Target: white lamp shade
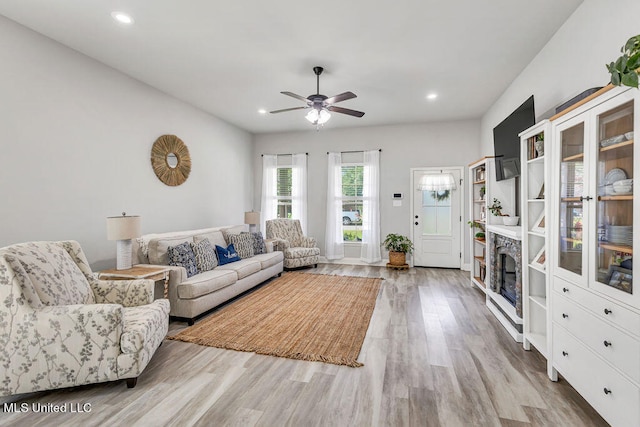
252	218
123	227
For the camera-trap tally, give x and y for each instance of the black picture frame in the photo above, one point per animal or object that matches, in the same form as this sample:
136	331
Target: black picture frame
620	278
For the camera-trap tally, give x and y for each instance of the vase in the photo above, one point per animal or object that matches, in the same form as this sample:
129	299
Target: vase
539	145
397	258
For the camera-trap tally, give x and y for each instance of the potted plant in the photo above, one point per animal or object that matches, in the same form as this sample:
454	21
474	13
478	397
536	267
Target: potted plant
483	191
398	246
496	208
624	71
479	234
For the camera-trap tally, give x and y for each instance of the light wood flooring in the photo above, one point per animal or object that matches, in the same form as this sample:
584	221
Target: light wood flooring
434	356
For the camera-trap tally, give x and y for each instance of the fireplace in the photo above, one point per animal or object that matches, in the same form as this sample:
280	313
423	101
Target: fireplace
505	258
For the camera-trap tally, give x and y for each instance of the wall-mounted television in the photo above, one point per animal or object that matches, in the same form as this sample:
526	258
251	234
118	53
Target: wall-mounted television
506	142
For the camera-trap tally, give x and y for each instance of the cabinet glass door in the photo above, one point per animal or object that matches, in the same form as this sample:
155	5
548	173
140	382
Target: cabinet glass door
614	213
572	186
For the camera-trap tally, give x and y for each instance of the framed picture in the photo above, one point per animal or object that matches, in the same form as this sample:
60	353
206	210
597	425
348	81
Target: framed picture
540	259
539	225
620	278
541	193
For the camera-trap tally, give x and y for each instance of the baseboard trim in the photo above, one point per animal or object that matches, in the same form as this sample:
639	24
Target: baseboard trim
465	267
351	261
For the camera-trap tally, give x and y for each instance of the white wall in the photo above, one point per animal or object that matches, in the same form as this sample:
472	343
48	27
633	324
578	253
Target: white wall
571	62
403	147
76	143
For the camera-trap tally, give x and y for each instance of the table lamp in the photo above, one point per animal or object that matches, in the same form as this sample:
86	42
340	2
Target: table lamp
252	218
123	229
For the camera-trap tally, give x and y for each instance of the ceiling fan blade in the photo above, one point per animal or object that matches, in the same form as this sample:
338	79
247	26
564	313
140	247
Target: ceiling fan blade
345	111
341	97
296	96
289	109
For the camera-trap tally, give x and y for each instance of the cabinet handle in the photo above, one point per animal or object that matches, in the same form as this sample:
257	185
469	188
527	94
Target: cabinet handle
607	343
607	311
607	391
416	216
564	353
565	290
586	198
416	223
565	315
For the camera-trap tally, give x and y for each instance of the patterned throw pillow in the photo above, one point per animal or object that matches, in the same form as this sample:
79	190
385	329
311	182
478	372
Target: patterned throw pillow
182	256
227	255
205	255
258	242
243	244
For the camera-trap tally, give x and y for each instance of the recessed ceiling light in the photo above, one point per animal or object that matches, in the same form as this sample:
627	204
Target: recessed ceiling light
262	111
122	18
432	96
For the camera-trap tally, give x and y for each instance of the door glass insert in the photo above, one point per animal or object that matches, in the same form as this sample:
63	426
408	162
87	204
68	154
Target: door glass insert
614	213
571	202
436	212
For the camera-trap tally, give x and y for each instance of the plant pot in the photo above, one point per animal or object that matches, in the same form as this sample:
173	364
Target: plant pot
397	258
510	220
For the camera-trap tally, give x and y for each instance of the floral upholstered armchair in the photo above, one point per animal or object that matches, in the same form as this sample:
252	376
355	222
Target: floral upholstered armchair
298	249
61	327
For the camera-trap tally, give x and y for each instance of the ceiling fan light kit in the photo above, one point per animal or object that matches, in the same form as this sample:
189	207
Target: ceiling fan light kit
321	105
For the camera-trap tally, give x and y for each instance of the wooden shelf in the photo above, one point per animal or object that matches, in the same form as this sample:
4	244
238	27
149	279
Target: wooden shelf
479	201
480	260
574	157
541	301
482	242
571	240
570	199
616	146
479	182
537	159
610	198
534	200
582	102
616	247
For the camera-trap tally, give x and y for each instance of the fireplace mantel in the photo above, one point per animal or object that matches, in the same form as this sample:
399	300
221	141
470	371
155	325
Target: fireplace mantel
511	231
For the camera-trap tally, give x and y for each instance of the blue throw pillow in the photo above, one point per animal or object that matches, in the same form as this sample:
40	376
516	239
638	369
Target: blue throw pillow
182	256
227	255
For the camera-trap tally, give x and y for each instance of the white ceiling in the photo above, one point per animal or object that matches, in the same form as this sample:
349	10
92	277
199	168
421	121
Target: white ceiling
231	58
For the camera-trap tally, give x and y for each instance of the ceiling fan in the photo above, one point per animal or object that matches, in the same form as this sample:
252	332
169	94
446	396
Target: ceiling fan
320	104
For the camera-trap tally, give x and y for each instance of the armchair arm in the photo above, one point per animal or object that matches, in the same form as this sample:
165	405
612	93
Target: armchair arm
128	293
308	242
61	346
280	244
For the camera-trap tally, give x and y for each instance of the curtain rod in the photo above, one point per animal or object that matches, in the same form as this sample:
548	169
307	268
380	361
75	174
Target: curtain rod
356	151
288	154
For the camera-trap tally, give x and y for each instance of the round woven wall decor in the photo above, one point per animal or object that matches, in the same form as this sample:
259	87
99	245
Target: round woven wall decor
172	171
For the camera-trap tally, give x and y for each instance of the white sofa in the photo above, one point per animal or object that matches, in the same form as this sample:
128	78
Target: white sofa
192	296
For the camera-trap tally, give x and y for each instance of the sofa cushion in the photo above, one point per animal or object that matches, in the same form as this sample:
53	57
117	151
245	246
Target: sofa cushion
243	244
269	259
259	246
236	229
142	324
158	248
215	237
243	268
226	255
205	254
205	283
182	256
56	278
301	252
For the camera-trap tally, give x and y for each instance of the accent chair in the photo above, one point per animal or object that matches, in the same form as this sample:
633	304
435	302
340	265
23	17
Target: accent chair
298	250
61	327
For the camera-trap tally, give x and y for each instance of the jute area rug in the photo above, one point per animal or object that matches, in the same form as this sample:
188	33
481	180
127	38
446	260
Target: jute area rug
300	316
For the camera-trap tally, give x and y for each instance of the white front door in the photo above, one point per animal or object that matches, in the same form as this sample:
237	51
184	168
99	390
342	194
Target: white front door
437	221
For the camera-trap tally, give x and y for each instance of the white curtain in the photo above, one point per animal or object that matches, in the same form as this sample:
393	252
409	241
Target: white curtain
269	205
334	246
299	189
370	251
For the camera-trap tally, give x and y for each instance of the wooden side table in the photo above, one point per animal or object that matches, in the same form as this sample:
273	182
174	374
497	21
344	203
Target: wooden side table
139	272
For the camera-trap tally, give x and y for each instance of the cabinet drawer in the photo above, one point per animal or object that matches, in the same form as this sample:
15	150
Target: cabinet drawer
590	376
618	348
601	307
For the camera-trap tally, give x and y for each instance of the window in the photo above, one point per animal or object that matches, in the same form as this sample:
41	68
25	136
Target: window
283	194
436	206
352	183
